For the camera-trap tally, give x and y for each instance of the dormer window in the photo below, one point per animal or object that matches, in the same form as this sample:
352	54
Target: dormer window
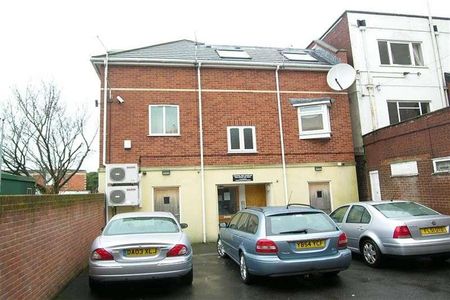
298	56
232	53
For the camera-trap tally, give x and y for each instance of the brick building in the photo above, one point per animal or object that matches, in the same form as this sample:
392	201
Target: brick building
203	124
411	160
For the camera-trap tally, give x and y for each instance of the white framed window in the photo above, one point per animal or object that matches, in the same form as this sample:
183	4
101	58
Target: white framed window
400	111
408	168
164	120
241	139
314	121
441	164
298	56
400	53
232	53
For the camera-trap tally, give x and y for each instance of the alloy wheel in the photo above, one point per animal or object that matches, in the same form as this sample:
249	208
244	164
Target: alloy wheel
370	253
243	268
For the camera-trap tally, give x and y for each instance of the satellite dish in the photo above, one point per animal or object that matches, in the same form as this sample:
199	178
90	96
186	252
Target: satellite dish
341	77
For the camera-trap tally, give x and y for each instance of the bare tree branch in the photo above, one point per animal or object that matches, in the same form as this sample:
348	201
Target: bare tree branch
41	138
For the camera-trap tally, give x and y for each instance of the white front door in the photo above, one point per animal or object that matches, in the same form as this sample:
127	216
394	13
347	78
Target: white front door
375	185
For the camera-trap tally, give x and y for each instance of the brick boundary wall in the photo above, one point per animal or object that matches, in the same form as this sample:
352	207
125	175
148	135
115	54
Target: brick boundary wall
420	139
44	242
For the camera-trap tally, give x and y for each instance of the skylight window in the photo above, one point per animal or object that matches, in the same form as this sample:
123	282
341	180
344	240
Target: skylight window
232	53
298	56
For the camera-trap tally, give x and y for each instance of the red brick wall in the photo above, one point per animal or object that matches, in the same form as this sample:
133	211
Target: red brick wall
243	104
45	242
339	37
421	140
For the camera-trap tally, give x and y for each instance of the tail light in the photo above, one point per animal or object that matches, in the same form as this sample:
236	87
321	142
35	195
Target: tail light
401	232
178	250
101	254
266	246
342	241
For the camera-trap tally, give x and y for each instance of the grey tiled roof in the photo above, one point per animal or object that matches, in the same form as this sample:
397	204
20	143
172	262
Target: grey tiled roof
189	51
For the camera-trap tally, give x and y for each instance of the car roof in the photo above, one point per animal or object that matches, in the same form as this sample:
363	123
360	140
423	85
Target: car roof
372	203
273	210
143	214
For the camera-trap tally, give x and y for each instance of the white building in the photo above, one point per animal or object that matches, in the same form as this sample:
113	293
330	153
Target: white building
401	61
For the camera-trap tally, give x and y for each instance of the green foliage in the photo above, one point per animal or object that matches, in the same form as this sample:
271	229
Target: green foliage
92	182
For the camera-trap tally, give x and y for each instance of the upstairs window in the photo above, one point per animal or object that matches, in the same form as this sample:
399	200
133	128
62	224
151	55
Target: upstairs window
314	121
241	139
298	56
400	111
164	120
400	53
231	53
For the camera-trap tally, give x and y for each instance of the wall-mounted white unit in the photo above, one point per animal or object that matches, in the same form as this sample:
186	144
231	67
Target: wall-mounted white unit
122	195
122	173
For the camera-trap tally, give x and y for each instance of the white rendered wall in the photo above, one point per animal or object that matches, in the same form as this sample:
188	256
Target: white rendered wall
422	83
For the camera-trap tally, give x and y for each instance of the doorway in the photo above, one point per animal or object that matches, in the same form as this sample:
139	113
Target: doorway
167	199
375	186
319	196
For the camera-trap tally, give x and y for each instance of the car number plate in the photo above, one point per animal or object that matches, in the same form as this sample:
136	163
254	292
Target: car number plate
137	252
433	230
314	244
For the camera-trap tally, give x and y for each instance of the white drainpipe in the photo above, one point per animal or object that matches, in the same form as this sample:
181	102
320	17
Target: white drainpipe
202	164
437	59
373	108
280	121
105	102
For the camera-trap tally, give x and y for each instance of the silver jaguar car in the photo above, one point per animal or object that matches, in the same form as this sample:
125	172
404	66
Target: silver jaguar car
283	241
138	246
403	228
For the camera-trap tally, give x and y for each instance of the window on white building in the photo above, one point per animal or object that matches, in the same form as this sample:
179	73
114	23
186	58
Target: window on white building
241	139
314	121
164	120
441	164
400	111
400	53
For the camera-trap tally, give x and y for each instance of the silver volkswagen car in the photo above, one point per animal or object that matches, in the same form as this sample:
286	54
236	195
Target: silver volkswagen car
404	228
282	241
137	246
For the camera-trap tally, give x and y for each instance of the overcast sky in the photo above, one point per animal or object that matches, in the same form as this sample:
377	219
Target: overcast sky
53	40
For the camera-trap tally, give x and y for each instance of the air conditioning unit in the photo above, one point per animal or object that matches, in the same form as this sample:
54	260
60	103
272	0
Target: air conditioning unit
122	195
122	173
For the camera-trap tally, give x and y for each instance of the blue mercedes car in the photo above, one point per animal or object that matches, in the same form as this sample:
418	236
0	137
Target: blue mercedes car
283	241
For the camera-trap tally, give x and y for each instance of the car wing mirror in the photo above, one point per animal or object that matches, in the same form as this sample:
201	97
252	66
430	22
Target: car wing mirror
223	225
184	225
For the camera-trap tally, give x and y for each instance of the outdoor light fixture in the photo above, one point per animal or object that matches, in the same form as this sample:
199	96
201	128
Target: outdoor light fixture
318	168
120	99
165	172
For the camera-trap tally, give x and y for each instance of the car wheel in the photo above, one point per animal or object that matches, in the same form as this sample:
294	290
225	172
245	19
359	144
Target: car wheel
371	253
246	277
94	285
221	249
188	278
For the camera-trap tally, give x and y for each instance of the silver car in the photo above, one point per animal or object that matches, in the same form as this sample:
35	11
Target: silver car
404	228
283	241
138	246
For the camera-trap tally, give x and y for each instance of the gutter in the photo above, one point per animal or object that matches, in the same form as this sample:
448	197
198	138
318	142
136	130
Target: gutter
209	63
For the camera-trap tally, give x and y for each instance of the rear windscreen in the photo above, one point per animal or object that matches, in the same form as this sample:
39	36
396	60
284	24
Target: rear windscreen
141	225
297	223
404	209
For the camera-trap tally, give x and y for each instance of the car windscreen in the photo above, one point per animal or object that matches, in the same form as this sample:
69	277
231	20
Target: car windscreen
404	209
139	225
297	223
